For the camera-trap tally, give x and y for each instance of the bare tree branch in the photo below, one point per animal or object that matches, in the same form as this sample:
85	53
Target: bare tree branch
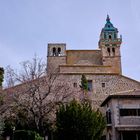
39	92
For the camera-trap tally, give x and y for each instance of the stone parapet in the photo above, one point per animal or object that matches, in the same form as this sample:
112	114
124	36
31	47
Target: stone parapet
86	69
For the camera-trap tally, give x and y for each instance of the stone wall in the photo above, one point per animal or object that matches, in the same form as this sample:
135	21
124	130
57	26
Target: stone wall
87	69
115	62
112	85
92	57
91	61
53	62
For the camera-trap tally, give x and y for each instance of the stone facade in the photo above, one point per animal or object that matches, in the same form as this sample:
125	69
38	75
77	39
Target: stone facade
102	85
105	60
84	57
102	67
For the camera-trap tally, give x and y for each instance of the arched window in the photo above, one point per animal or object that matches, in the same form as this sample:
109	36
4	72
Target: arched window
113	50
110	37
108	117
59	51
115	36
54	51
108	50
104	36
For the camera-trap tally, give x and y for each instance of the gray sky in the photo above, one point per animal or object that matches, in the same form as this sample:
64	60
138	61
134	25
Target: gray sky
27	26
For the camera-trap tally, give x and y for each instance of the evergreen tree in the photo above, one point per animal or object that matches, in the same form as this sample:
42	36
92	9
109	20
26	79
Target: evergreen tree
84	83
1	76
75	121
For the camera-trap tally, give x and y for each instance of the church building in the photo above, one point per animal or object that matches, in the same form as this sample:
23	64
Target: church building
107	85
102	67
116	95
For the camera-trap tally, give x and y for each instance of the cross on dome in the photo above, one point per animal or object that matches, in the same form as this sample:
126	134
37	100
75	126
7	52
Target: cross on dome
108	19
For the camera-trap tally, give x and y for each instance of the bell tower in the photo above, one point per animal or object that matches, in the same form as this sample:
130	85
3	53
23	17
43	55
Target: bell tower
56	56
109	44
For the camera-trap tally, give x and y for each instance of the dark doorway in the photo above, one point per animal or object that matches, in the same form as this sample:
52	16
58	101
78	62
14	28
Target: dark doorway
103	137
131	135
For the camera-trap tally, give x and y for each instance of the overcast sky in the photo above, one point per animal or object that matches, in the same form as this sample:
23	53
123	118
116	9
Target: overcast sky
27	26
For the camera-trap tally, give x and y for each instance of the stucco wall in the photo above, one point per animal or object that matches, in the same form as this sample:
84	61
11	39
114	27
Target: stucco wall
92	57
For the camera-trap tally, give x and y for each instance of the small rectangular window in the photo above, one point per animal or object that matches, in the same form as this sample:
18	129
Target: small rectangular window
138	112
75	85
129	112
89	85
107	45
103	85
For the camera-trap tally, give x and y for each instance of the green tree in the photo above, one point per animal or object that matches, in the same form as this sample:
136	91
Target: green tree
76	121
84	83
84	89
8	126
1	75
